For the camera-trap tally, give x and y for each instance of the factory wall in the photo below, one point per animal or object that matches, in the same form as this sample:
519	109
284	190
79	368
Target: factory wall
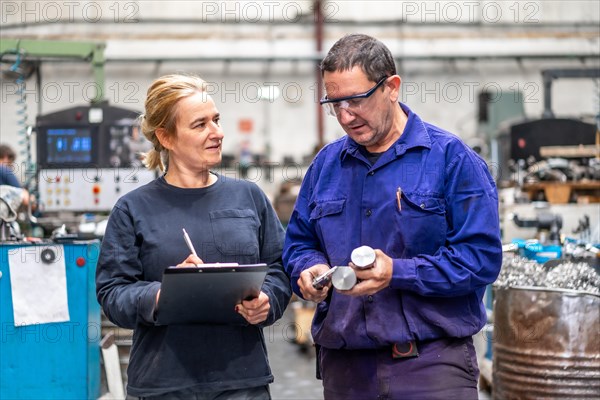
424	35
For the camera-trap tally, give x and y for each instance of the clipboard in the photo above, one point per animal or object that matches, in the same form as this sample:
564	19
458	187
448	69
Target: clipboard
208	294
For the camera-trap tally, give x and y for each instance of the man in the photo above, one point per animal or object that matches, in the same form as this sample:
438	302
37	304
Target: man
7	158
11	193
428	205
8	178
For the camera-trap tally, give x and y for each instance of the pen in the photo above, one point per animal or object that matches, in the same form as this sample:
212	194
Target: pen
186	237
398	197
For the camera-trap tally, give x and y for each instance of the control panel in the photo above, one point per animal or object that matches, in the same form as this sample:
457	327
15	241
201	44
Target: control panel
88	157
87	189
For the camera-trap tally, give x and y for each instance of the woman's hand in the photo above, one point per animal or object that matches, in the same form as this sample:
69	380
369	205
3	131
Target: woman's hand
191	261
256	310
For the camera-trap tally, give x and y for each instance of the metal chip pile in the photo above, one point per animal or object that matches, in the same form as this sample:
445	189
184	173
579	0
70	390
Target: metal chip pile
520	271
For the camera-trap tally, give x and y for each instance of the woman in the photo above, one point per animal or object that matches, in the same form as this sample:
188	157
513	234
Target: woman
229	220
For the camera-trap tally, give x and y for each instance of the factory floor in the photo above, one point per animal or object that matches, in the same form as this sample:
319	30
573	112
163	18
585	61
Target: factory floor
294	366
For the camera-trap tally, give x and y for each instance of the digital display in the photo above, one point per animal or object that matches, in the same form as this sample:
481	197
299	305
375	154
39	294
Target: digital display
71	146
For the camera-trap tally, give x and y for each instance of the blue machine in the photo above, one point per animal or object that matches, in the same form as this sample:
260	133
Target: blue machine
534	250
541	250
53	360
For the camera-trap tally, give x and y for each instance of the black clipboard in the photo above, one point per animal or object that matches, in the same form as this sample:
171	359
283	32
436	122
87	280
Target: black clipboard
207	294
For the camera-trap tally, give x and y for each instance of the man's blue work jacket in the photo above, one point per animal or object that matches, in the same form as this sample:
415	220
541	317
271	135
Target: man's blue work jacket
443	236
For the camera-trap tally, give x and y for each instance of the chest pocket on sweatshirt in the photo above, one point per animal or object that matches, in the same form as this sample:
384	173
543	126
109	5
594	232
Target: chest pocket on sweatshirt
235	232
330	223
422	216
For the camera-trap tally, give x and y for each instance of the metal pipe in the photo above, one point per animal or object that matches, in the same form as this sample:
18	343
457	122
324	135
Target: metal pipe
317	58
319	79
301	21
40	49
38	92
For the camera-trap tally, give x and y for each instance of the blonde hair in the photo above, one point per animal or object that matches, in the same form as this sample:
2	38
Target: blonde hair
161	112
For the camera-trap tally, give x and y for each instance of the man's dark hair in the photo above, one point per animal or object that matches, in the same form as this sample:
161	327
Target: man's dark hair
6	151
372	56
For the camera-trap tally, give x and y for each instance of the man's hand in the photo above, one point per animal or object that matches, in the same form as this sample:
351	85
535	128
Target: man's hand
305	283
256	310
191	261
372	280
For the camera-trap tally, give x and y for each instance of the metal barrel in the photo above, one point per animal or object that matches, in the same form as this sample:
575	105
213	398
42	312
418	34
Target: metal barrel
546	344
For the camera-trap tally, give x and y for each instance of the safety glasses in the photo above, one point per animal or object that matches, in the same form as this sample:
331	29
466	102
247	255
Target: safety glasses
352	104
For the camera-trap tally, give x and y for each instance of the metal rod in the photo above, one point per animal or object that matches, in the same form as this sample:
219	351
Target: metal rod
317	58
301	22
318	7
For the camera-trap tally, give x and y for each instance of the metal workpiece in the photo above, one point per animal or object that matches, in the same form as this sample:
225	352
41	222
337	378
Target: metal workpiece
344	278
546	344
341	277
363	257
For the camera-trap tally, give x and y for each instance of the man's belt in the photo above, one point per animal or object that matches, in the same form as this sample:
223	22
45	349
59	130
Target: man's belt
405	350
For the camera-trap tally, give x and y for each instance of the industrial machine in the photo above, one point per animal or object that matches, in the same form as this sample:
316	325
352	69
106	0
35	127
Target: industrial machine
44	356
88	156
548	175
547	246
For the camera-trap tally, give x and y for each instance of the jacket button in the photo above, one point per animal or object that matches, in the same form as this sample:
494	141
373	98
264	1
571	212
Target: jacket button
372	173
370	298
369	212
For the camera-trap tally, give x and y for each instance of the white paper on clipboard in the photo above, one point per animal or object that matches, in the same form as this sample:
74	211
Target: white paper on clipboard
39	285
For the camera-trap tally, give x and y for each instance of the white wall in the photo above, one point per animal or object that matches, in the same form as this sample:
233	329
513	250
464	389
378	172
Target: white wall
442	92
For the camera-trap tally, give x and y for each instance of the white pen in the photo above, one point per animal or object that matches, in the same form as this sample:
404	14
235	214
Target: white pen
189	242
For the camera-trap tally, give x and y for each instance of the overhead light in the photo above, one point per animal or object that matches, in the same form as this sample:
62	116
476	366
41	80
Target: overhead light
269	93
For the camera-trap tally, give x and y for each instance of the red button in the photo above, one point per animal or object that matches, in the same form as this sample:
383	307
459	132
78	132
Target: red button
80	261
96	189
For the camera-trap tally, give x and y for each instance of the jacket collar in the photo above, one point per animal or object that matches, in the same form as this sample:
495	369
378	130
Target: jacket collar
415	134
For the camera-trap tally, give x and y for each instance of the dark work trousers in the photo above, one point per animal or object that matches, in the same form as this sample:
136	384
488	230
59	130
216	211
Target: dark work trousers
445	369
255	393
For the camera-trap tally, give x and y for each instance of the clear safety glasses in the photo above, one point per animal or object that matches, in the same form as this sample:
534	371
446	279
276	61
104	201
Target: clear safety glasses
352	104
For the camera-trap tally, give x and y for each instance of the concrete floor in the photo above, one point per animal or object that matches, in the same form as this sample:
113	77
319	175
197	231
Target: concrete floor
293	366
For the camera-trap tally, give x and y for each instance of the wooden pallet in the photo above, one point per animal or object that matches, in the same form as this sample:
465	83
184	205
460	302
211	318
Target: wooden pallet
562	192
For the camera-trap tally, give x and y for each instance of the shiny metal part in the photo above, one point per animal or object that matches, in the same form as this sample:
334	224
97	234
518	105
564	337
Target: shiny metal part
363	257
323	280
344	278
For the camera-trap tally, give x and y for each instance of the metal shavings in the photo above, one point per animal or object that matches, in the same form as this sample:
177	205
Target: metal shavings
571	275
519	271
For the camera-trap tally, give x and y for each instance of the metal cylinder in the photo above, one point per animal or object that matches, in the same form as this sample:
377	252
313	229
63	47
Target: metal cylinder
363	257
343	278
546	344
